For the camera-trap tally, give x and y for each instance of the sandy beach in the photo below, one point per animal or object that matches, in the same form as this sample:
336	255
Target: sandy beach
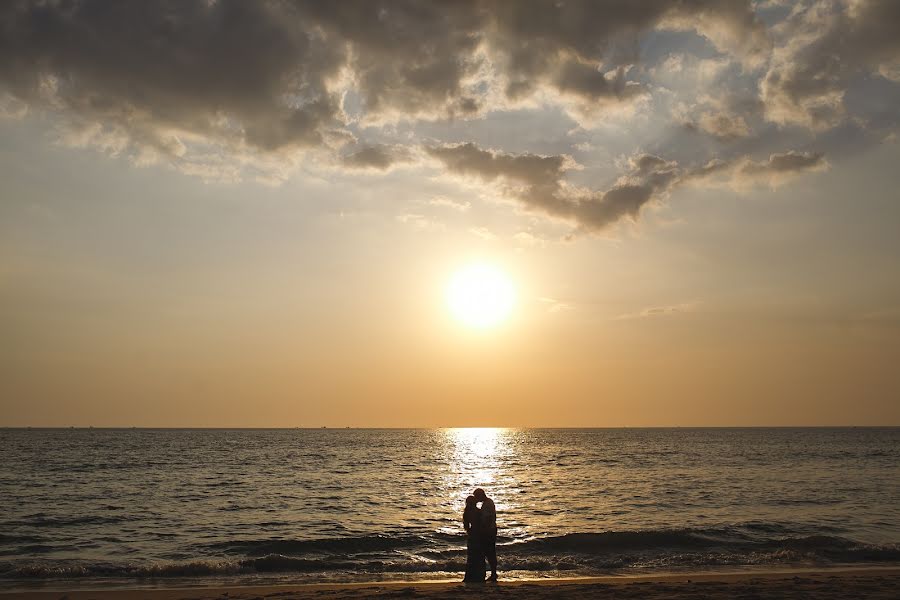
875	583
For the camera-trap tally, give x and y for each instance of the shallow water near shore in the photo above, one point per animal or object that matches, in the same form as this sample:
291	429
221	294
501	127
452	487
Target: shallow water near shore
175	506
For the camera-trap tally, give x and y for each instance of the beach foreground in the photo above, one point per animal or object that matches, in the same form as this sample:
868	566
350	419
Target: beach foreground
877	583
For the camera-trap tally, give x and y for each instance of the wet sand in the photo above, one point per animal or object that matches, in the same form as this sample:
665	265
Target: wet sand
875	583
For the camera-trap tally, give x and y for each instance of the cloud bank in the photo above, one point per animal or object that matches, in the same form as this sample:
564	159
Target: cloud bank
219	88
827	46
272	75
538	183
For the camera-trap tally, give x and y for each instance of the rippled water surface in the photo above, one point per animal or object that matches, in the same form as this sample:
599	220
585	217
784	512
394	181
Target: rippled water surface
175	505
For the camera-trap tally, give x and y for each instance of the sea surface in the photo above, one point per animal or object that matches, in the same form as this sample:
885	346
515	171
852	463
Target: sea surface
180	507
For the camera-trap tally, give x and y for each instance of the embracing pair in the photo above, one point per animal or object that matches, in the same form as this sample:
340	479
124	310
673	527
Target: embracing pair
480	523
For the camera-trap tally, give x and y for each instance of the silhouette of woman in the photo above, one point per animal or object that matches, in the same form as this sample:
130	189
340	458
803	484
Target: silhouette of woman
475	570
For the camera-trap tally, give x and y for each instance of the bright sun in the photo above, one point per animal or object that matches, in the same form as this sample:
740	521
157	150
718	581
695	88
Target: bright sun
480	296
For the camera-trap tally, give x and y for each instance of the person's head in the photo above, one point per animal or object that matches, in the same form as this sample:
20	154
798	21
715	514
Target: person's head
479	495
471	502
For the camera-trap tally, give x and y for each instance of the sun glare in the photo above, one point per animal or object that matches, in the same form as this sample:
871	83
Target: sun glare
480	296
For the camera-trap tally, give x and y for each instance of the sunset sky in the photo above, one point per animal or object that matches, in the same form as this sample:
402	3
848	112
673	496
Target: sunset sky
218	213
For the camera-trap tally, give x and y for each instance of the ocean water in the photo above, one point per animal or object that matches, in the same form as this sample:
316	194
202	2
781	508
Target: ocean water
176	507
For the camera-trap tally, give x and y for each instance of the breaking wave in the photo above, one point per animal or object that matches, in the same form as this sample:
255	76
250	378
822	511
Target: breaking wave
584	553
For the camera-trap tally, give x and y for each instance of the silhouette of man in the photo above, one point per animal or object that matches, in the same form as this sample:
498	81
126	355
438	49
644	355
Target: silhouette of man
489	530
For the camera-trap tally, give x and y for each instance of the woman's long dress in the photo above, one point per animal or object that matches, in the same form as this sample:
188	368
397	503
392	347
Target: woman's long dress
475	570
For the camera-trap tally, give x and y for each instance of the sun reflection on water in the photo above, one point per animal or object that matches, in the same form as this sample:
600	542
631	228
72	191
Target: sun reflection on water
477	457
477	443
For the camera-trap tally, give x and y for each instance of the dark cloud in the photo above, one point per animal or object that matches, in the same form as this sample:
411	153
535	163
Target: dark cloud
237	73
537	183
566	44
788	162
380	157
744	170
407	58
199	82
587	81
827	46
532	170
269	76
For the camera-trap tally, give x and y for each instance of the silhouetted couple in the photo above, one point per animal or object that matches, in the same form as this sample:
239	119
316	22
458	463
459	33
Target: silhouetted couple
481	530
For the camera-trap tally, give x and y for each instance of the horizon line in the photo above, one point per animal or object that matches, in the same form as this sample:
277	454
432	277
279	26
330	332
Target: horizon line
346	427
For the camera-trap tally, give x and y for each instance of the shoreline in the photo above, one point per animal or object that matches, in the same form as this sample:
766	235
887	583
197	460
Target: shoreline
839	580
